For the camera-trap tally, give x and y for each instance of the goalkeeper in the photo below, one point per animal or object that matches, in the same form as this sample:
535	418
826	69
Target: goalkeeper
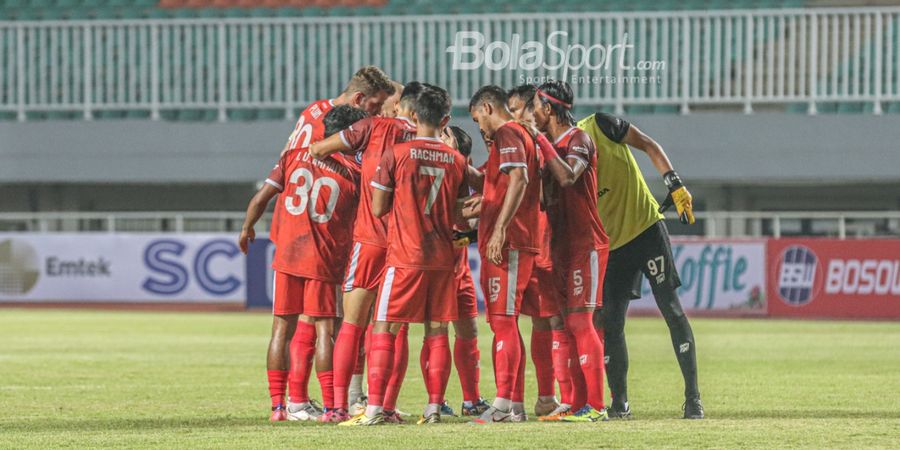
639	244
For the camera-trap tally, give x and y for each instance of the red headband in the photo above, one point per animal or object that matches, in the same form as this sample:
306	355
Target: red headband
553	99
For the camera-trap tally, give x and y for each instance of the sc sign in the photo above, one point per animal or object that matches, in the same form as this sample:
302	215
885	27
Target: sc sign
186	267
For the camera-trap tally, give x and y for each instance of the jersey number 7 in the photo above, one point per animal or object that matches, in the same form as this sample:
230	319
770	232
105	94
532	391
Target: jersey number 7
438	174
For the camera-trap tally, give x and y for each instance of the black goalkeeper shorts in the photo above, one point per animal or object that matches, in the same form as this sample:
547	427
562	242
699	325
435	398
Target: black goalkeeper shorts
648	254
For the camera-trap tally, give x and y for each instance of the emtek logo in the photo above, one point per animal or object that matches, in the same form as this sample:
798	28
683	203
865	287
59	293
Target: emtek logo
797	275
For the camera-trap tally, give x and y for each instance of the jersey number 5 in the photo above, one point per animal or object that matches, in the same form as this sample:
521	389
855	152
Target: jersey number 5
308	192
438	174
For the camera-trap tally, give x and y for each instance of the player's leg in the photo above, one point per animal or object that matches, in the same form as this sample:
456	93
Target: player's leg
518	395
355	393
440	309
659	267
435	368
325	327
541	302
396	304
466	355
505	285
466	358
364	272
584	278
303	348
278	361
621	284
398	374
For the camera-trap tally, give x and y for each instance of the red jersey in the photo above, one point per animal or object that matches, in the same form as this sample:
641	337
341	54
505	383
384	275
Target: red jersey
310	126
314	214
575	223
372	136
427	178
512	147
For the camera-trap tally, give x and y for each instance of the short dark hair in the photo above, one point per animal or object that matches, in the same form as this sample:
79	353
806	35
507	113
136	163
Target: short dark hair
493	94
526	93
463	140
562	93
370	80
411	90
432	105
341	117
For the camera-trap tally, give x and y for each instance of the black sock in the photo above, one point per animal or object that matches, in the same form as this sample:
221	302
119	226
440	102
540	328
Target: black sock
612	318
682	338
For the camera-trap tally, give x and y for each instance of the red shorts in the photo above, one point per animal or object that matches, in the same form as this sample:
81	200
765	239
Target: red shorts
504	285
416	295
466	301
298	295
581	279
542	297
366	267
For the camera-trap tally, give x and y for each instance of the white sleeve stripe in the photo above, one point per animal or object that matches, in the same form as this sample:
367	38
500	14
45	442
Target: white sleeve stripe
275	184
381	187
344	139
512	164
580	159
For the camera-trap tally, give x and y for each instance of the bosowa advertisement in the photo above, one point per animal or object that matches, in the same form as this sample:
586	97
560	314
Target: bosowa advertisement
857	278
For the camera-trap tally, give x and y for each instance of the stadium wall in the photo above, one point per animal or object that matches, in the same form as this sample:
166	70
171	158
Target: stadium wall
809	278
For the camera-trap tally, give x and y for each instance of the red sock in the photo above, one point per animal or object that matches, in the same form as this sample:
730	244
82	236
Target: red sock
542	355
277	385
381	361
346	349
398	371
590	351
507	353
360	367
303	347
579	385
466	357
326	381
518	395
437	368
561	365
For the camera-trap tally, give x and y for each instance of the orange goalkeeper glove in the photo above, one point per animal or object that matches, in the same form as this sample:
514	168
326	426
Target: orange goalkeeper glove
679	197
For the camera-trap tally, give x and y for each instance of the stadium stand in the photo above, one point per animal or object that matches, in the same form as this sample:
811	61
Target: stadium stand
122	9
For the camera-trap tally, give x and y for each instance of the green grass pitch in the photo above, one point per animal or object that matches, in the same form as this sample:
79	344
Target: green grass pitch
75	378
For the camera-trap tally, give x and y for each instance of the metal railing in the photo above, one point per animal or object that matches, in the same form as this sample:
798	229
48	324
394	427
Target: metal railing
846	224
683	59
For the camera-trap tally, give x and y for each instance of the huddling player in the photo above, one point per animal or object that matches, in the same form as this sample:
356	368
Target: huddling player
551	350
311	237
580	246
466	355
368	89
369	138
639	243
508	236
420	185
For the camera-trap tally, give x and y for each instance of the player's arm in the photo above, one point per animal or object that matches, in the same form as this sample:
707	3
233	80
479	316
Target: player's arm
515	192
328	146
678	194
255	210
565	171
382	185
349	140
381	202
475	178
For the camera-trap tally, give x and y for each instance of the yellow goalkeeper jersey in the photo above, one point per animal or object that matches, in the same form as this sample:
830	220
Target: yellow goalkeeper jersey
624	201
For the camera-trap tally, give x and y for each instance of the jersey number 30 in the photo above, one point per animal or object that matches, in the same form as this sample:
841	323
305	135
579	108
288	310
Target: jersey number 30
307	192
